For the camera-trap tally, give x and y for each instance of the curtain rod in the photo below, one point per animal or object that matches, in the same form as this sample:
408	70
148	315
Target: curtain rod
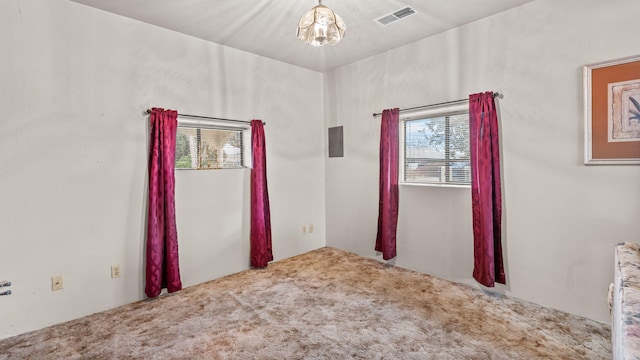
495	95
148	111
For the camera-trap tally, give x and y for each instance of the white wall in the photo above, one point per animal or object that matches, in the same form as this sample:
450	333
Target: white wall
562	218
74	82
73	141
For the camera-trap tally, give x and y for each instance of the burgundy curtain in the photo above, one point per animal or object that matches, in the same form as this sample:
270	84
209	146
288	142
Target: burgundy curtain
486	195
261	251
388	201
162	270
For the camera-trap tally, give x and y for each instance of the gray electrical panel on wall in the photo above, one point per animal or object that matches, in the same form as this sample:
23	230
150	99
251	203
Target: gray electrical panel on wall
336	148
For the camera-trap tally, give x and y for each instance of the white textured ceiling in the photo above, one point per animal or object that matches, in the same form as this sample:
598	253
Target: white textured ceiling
268	27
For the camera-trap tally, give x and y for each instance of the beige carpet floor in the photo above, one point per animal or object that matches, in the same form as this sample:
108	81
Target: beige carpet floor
325	304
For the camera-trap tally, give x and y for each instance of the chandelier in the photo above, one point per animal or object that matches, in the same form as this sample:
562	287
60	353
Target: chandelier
320	26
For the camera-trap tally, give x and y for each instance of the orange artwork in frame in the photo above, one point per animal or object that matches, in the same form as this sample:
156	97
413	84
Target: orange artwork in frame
612	112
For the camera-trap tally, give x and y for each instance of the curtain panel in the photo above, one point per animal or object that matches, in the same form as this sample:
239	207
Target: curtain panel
261	248
486	195
162	265
388	200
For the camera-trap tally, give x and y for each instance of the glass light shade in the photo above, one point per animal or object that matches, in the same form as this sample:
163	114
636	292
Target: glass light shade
320	26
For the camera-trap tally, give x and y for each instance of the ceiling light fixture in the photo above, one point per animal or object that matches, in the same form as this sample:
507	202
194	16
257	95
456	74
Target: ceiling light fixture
320	26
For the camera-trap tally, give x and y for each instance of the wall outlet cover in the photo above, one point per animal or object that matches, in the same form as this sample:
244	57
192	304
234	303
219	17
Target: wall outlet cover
57	283
115	271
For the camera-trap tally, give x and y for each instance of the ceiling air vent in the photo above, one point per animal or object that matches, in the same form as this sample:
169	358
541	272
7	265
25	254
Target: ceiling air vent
396	15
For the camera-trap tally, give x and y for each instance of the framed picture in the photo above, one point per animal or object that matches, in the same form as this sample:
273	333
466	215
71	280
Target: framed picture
612	112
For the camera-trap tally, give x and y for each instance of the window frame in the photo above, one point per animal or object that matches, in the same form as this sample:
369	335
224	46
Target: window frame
449	109
214	124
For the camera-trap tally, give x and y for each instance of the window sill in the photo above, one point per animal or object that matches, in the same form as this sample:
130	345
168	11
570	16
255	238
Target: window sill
436	185
205	169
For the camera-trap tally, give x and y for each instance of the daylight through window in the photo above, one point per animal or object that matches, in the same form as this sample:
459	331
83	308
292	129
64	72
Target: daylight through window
436	149
200	148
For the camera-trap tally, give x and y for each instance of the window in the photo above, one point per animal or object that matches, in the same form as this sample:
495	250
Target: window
435	147
201	145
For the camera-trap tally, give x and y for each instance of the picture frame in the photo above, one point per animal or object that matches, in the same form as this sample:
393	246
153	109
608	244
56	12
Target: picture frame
612	112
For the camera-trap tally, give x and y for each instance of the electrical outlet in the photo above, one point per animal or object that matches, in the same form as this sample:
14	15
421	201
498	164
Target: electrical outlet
304	230
115	271
56	283
310	228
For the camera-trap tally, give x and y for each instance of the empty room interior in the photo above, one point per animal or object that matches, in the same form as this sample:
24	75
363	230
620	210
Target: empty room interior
79	80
